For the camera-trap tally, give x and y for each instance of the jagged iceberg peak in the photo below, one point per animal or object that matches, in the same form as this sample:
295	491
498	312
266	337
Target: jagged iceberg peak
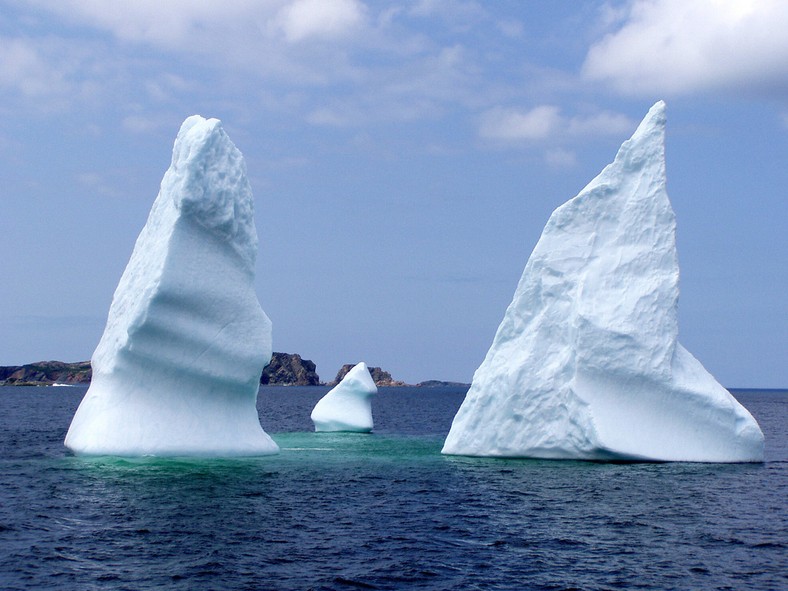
207	182
348	406
177	369
586	362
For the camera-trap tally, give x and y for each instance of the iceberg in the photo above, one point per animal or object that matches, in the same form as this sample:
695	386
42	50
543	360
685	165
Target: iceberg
348	406
177	370
586	363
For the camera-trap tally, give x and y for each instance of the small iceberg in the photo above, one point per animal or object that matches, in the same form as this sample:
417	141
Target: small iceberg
348	406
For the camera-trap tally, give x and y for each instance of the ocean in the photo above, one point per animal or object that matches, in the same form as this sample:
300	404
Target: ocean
380	511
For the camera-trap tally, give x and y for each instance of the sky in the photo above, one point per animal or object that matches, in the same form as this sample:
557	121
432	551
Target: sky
404	158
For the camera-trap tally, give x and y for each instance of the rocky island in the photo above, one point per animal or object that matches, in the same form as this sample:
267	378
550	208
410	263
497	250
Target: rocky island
379	376
285	369
289	369
46	373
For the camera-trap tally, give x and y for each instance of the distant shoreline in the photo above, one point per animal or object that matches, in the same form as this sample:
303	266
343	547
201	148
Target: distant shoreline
284	369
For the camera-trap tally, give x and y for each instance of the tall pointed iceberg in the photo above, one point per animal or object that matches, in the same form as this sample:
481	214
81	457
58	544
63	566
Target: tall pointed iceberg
586	363
177	369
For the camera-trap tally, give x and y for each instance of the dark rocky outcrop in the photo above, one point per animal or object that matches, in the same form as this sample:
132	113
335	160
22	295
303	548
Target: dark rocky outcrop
288	369
380	377
46	373
284	370
441	383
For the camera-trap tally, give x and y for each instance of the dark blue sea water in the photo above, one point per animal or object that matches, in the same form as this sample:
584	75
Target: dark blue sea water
380	511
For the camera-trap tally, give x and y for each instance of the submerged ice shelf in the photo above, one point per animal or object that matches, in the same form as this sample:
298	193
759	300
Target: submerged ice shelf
348	406
586	363
177	369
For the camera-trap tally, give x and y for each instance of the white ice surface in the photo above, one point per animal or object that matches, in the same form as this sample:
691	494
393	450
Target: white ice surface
348	406
586	363
177	369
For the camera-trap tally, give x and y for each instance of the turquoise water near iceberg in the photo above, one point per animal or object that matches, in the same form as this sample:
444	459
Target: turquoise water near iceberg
380	511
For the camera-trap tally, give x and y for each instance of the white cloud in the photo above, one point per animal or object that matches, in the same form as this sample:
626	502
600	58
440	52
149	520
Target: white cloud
253	37
48	74
149	122
350	64
165	87
324	116
305	19
511	28
34	70
333	63
559	158
604	123
459	13
172	23
187	25
546	121
444	75
678	46
95	183
511	124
